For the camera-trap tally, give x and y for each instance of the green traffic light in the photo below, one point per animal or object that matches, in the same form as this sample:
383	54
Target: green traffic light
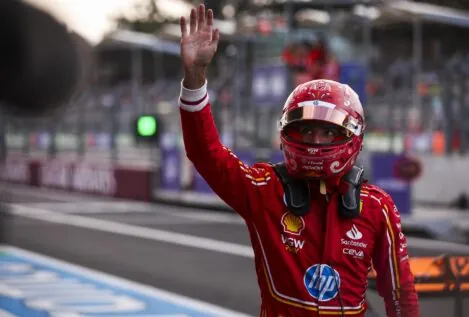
146	126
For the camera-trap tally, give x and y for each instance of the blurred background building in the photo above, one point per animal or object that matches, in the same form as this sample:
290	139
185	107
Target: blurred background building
408	60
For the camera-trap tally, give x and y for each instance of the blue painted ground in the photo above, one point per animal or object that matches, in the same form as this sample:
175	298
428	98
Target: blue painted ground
31	287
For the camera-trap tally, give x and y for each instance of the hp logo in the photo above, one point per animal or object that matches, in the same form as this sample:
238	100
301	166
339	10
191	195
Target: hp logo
322	282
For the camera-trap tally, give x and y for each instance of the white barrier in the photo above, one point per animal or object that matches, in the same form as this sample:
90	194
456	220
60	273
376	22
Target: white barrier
443	179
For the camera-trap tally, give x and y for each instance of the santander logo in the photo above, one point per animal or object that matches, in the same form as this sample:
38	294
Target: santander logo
354	234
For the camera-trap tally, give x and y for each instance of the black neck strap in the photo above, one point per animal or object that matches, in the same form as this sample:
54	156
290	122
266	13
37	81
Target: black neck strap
350	201
298	197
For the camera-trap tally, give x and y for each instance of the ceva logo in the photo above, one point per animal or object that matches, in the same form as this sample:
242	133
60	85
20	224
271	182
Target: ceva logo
358	254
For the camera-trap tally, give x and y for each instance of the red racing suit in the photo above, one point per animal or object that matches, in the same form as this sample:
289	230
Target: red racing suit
312	265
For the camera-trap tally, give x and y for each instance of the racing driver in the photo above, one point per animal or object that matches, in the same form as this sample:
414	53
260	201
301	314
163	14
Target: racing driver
317	228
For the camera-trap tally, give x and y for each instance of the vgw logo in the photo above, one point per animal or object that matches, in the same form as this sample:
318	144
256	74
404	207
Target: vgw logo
292	244
322	282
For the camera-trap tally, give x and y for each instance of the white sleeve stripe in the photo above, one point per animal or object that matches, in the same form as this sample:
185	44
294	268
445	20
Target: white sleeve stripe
390	262
193	95
391	267
194	108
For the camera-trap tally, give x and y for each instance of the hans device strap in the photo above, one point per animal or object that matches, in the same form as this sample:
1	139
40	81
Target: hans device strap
350	201
297	195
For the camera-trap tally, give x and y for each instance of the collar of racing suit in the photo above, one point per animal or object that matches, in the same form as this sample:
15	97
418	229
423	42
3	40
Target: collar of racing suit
332	185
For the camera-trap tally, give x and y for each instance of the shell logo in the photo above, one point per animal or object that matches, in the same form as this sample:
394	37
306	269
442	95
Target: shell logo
292	224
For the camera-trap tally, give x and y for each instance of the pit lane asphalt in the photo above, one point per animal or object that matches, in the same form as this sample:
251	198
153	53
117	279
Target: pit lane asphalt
223	279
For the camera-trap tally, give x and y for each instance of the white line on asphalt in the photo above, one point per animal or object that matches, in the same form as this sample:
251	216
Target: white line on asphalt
133	231
190	240
99	204
121	282
200	214
132	207
43	193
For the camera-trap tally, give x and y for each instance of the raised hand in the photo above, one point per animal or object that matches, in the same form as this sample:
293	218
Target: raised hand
198	46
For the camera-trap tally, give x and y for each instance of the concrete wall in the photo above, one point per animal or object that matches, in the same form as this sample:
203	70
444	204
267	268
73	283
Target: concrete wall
442	180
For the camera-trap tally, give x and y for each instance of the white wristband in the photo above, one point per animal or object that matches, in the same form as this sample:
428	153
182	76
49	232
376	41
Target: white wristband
193	99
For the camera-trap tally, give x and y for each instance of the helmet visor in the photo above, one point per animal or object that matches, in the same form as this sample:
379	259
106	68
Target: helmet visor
314	132
323	111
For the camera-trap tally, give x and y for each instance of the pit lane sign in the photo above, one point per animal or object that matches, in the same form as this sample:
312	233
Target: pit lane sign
34	285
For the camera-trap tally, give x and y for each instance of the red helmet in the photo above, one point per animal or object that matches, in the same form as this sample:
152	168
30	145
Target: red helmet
324	101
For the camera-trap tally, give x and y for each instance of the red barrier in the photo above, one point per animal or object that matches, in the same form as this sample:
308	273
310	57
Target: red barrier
83	177
93	179
133	183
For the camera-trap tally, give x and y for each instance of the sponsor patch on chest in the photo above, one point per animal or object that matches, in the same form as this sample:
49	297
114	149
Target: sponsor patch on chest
293	227
352	244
